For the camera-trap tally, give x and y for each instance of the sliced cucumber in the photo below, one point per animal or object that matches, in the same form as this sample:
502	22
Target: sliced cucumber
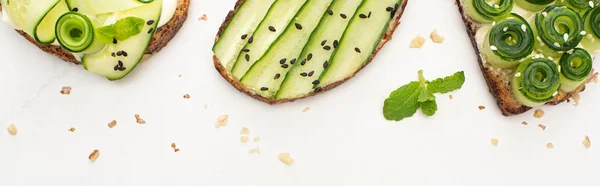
485	11
271	27
297	82
267	74
575	68
28	15
360	40
76	33
536	81
236	33
95	7
117	67
591	41
509	41
45	30
534	5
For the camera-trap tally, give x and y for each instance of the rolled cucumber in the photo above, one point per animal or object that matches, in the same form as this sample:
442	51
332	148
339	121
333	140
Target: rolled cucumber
591	41
575	68
29	15
45	30
536	81
76	33
533	5
508	42
485	12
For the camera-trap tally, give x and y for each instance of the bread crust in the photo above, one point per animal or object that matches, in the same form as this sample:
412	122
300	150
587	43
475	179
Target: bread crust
161	37
498	83
238	85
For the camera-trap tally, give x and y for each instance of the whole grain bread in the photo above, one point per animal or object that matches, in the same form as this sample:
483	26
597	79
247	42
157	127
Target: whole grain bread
238	85
161	37
499	83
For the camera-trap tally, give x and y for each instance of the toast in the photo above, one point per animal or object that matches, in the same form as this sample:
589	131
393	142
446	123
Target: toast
161	37
499	82
395	22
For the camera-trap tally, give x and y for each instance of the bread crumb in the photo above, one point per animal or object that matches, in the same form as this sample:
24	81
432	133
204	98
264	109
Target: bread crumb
179	75
524	123
222	121
173	145
593	78
539	113
66	90
203	17
139	119
72	129
112	124
417	42
256	139
435	37
245	130
94	155
576	98
244	139
543	127
285	158
12	129
186	96
255	150
450	96
306	109
176	150
481	107
494	142
549	145
586	142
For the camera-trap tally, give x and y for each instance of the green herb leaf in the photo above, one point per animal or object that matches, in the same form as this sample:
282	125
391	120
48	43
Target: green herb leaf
402	103
425	94
429	107
128	27
106	34
447	84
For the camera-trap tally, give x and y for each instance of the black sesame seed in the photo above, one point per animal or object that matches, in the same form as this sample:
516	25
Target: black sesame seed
116	67
303	74
114	41
311	73
327	47
326	64
272	29
250	39
124	53
277	76
285	66
369	16
316	82
247	57
150	22
292	61
119	53
335	44
396	6
120	63
244	36
330	12
264	88
309	57
363	16
298	26
113	55
303	62
151	30
323	42
357	49
75	9
245	50
389	9
344	16
122	68
318	89
282	61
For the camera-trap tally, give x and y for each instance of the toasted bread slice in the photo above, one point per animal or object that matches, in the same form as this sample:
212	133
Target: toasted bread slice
161	37
221	69
499	82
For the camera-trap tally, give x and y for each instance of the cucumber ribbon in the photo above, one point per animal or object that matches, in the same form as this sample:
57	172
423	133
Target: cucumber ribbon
559	28
536	81
592	29
509	41
482	11
75	32
575	68
533	5
580	6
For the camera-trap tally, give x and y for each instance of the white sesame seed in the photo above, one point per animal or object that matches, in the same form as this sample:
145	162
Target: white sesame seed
559	68
493	47
593	40
555	93
541	55
556	44
570	51
496	6
524	28
589	36
550	58
591	4
505	28
583	33
560	52
544	14
518	74
493	23
539	39
566	37
521	60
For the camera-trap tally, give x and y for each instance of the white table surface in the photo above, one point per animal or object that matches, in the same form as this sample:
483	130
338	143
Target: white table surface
342	140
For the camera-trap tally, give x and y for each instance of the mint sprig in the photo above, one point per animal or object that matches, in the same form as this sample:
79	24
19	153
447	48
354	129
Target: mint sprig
122	30
406	100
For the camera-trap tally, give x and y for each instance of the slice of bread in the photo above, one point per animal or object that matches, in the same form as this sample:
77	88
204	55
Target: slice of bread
499	82
221	69
161	37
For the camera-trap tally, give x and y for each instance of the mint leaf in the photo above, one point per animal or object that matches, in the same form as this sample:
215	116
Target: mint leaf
447	84
425	95
128	27
106	34
402	103
429	107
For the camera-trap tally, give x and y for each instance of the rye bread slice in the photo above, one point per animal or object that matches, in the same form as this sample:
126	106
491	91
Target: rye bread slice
238	85
499	83
161	37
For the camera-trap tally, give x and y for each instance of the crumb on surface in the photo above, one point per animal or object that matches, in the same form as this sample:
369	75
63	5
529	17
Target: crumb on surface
66	90
186	96
139	119
179	75
12	129
543	127
494	142
417	42
306	109
173	145
255	150
72	129
481	107
576	98
203	17
94	155
176	150
450	96
256	139
524	123
539	113
285	158
549	145
586	142
112	124
245	130
244	139
222	121
436	37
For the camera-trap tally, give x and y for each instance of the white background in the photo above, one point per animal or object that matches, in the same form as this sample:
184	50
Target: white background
342	140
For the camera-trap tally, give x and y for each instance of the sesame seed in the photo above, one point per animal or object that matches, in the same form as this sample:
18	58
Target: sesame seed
389	9
326	64
327	47
298	26
247	57
303	74
293	61
493	23
316	82
570	51
357	49
550	58
330	12
323	42
566	37
343	16
150	22
505	28
493	47
272	29
264	88
277	76
496	6
582	33
362	16
518	74
544	14
556	44
591	4
335	43
245	50
309	57
244	36
285	66
282	61
555	93
524	28
151	30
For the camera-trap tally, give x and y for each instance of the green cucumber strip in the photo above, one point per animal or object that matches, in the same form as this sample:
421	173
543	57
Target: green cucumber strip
76	33
359	41
330	29
115	68
575	68
533	5
484	12
536	81
45	30
95	7
272	26
508	42
267	74
28	15
241	26
591	41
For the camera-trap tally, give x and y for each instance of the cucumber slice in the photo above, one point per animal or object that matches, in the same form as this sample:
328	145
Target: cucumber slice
76	33
485	11
236	33
271	27
95	7
267	74
359	41
297	83
508	42
533	5
591	41
45	30
115	68
28	15
575	68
